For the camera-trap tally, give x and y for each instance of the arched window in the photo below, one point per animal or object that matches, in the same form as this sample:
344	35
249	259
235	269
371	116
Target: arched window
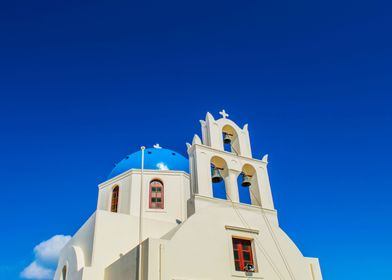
156	194
64	273
114	205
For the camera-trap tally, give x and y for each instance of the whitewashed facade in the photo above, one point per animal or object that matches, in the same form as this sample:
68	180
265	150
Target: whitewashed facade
187	233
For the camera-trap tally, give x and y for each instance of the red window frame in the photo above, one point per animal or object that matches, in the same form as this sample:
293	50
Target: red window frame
243	255
156	194
114	204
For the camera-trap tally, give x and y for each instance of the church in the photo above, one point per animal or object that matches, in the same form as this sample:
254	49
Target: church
210	216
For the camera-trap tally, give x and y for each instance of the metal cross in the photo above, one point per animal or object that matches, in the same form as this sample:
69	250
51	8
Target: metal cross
224	114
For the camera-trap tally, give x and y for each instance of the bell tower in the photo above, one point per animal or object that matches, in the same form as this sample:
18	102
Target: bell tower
223	154
213	130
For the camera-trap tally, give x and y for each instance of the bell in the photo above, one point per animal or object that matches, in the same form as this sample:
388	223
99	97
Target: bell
246	180
216	176
226	138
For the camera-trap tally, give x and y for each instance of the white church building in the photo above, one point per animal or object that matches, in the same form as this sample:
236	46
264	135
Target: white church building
161	216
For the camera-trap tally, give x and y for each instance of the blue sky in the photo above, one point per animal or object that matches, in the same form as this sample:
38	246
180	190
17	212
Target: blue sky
83	83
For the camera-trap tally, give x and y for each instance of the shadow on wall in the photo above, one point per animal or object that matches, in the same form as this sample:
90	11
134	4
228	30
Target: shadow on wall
126	265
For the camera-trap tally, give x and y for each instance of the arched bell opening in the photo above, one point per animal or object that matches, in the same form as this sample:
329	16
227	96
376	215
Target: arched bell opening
219	173
248	187
230	140
243	188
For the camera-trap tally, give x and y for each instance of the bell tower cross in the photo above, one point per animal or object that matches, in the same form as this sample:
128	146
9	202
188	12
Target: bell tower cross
224	114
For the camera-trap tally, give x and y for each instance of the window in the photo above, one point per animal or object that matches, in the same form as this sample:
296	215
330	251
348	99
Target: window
156	194
242	253
115	193
64	273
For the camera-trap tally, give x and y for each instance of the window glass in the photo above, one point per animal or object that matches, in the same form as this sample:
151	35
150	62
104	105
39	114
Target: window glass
243	256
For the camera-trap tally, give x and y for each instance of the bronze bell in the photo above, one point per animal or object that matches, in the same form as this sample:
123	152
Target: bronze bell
215	175
246	180
226	138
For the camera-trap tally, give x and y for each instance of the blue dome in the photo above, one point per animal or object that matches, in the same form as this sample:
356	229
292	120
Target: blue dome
155	159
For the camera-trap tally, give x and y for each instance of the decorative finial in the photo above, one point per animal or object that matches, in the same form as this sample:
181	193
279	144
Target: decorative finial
196	140
224	114
156	146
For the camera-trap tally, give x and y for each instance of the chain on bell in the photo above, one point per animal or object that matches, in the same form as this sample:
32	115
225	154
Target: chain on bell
226	138
246	180
215	175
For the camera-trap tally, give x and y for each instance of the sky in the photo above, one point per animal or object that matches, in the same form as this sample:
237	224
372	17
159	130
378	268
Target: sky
84	83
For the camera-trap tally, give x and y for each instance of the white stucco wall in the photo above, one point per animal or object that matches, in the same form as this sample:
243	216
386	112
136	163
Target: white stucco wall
176	192
106	236
77	254
201	248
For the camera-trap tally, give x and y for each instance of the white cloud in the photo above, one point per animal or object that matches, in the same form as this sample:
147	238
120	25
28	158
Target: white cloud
35	271
46	257
162	166
49	250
